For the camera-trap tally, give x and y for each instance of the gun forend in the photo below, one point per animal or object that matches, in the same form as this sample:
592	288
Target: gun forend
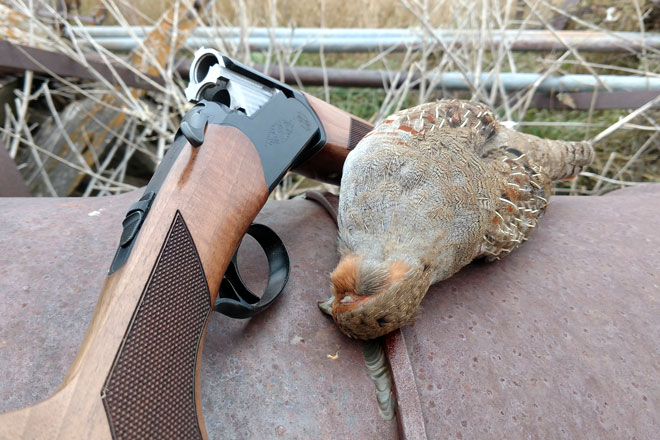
343	131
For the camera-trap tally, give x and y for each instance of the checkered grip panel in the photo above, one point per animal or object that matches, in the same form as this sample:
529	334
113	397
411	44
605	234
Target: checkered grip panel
150	391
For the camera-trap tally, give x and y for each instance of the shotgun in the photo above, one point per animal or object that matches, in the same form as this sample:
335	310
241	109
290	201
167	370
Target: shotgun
136	375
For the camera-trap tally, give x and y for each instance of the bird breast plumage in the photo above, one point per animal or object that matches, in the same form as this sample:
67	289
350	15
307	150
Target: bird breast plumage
413	189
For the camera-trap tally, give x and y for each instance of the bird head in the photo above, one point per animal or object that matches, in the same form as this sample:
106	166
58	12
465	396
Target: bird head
370	299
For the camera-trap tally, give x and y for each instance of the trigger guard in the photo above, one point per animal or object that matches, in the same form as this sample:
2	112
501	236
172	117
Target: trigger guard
235	299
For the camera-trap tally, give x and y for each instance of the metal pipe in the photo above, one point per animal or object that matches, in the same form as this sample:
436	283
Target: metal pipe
585	100
628	91
365	40
15	58
205	31
339	45
564	83
456	80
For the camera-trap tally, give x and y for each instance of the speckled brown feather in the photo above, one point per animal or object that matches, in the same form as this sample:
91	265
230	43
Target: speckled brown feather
430	189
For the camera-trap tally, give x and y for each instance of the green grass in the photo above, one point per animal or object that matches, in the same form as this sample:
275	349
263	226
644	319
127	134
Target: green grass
622	142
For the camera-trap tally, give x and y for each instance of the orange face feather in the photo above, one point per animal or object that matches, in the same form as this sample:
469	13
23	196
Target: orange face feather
344	281
345	278
398	271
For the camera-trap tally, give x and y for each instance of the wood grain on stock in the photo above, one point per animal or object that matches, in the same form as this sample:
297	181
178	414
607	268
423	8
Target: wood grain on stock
343	131
217	189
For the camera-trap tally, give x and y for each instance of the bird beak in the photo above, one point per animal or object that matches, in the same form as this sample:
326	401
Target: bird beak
326	306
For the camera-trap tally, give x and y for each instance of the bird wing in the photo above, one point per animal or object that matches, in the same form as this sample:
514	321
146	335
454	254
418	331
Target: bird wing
527	166
523	195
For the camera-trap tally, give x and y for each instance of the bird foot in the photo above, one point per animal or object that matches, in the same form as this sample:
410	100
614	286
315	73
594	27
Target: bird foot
326	306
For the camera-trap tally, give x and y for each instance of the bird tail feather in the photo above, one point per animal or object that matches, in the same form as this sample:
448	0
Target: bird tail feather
556	159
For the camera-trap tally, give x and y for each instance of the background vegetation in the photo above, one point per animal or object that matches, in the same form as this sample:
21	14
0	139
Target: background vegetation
630	154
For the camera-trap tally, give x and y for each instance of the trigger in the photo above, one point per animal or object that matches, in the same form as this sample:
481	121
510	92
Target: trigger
235	299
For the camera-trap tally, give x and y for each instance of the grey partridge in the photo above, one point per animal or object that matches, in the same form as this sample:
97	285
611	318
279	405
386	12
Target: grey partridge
427	191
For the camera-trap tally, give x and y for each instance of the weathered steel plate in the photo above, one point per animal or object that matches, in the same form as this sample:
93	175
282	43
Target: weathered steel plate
11	182
560	339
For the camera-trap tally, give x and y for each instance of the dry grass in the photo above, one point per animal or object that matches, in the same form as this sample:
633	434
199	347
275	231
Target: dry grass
339	13
626	141
372	13
369	13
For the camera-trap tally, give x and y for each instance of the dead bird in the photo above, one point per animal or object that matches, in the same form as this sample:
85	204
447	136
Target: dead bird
427	191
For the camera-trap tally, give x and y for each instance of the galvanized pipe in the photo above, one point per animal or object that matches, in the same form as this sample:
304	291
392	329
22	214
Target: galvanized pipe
564	83
336	45
366	40
456	80
210	31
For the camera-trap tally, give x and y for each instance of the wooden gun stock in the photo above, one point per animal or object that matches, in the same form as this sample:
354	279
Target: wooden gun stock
136	375
343	132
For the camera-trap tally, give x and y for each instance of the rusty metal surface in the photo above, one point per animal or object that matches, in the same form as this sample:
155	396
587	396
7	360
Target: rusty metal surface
18	58
267	377
560	339
55	255
603	100
409	408
11	182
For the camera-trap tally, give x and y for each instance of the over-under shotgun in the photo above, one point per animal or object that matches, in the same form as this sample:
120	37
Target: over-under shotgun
136	375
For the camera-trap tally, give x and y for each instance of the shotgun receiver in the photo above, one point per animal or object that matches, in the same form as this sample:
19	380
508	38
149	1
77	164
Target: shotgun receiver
136	374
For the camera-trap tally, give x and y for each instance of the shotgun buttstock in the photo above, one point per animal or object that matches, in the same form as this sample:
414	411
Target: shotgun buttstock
136	374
